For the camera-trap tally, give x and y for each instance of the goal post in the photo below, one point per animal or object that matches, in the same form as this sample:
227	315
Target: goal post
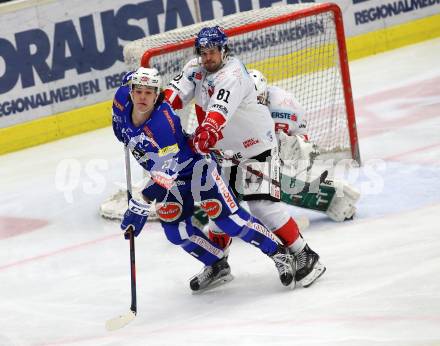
300	48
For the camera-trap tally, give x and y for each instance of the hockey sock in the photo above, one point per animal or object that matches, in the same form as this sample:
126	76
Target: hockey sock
288	233
221	239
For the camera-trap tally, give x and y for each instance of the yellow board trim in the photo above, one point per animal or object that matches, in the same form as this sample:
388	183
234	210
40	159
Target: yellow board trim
97	116
55	127
297	63
394	37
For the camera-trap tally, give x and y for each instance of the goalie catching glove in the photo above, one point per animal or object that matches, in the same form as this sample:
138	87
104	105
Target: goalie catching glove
135	217
296	148
208	133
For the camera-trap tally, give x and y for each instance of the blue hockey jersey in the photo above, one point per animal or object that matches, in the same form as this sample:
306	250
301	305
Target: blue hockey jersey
159	145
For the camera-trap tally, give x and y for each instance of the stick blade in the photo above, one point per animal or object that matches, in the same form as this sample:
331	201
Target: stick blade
120	321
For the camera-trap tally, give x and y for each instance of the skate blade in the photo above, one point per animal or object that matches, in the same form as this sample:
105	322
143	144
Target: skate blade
216	283
314	275
292	285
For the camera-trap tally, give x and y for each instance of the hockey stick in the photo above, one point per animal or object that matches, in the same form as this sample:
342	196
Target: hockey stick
260	174
247	168
123	320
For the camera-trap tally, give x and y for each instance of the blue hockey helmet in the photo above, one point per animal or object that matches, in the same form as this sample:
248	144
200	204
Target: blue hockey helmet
211	37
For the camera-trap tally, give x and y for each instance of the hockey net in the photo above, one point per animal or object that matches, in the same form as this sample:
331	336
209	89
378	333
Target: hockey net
300	48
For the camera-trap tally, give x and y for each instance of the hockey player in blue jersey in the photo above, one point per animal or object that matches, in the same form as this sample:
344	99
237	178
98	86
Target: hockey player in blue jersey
179	177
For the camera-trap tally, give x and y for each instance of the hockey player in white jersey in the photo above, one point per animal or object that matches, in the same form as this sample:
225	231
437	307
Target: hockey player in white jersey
296	145
232	122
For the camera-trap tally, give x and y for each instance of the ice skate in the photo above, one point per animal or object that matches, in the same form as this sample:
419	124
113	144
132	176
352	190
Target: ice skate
308	267
212	276
285	266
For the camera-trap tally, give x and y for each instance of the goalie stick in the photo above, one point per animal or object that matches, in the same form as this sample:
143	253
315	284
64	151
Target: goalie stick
123	320
317	194
305	189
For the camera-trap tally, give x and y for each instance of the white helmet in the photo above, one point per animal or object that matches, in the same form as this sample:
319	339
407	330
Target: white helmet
148	77
260	85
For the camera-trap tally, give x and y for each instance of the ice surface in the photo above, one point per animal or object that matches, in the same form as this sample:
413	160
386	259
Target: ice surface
67	271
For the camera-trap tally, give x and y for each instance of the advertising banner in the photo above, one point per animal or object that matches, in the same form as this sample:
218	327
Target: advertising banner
56	56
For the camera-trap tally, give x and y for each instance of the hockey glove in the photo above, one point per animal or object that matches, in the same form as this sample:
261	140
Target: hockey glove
297	147
204	138
126	80
208	133
136	216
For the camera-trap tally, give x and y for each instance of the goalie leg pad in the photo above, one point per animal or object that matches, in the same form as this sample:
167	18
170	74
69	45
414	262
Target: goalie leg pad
335	198
342	206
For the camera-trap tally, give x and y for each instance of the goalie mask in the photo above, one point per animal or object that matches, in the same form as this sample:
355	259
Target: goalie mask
260	85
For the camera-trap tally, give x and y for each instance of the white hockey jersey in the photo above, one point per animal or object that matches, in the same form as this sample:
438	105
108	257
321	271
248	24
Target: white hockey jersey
286	112
249	128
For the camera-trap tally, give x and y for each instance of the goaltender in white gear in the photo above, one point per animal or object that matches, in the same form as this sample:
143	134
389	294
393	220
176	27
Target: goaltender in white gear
295	146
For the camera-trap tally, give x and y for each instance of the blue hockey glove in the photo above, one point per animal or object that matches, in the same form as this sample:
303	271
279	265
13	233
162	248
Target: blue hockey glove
126	80
136	216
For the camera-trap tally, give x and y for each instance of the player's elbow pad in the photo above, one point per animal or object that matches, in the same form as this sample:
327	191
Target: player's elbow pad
117	130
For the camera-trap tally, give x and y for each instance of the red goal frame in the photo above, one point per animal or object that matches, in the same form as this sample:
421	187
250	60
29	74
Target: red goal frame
298	14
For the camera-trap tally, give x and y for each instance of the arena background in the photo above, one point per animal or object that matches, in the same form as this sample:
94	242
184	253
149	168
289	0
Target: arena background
60	61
